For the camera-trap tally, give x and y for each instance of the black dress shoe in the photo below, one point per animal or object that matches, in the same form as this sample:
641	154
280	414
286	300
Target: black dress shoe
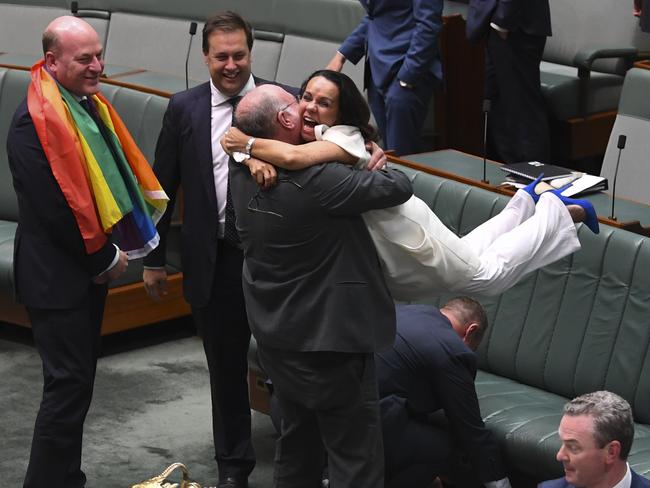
232	482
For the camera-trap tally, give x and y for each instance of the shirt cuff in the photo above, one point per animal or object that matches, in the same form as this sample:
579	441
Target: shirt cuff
502	483
113	262
498	27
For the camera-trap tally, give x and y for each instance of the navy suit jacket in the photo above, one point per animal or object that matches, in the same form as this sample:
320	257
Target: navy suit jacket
401	38
51	266
531	17
429	368
637	482
184	156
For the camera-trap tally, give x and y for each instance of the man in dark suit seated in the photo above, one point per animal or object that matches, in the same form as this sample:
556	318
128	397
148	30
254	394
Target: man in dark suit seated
430	368
316	300
596	430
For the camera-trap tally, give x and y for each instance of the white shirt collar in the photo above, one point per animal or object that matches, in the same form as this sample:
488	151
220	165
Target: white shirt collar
218	98
626	482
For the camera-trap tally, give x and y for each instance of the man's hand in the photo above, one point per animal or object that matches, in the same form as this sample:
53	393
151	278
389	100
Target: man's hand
377	157
263	173
336	63
155	283
234	140
114	272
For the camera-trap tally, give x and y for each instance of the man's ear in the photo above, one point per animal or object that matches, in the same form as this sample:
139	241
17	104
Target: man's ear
50	59
613	452
471	338
284	120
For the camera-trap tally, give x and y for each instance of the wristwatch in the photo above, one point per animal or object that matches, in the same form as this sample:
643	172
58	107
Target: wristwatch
249	145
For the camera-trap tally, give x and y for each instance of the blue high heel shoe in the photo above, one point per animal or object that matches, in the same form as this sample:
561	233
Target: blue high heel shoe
537	187
591	218
530	188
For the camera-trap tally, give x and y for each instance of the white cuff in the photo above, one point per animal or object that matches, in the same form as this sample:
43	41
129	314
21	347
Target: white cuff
502	483
113	262
497	27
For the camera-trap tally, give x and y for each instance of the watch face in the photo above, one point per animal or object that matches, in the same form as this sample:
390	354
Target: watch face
240	157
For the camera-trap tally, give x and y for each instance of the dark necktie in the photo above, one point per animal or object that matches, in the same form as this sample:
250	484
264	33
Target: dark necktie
230	234
103	130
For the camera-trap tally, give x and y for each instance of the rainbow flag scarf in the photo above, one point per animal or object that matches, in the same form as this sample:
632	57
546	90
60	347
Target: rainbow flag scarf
106	190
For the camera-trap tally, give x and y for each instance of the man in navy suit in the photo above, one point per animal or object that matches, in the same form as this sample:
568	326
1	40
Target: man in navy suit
188	153
515	32
596	430
400	41
430	370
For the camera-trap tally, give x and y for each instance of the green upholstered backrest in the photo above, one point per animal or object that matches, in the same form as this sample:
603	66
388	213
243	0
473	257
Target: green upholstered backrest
141	112
578	325
592	24
633	121
13	89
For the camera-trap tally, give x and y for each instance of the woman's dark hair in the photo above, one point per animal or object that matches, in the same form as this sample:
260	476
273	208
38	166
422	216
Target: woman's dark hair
353	109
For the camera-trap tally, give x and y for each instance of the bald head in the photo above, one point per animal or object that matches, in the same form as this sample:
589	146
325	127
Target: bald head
73	54
270	112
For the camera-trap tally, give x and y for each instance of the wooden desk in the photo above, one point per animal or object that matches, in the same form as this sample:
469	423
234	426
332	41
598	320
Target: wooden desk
468	169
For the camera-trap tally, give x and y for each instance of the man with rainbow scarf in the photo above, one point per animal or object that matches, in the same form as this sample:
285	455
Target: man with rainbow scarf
79	178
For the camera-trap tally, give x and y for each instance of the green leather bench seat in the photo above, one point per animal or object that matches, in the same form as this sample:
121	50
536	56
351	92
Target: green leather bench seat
578	325
525	419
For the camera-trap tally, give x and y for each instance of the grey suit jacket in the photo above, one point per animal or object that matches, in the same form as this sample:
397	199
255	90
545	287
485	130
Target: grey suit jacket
311	275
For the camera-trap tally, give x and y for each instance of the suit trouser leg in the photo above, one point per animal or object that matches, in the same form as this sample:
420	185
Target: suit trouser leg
68	343
400	113
418	454
329	405
224	329
518	121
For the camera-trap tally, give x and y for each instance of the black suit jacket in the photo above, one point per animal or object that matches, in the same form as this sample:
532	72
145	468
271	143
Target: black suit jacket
532	17
311	275
637	482
184	157
51	266
429	368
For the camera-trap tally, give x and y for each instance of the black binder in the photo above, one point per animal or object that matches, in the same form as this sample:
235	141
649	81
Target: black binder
532	169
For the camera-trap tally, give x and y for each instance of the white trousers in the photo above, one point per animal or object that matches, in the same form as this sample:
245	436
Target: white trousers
422	258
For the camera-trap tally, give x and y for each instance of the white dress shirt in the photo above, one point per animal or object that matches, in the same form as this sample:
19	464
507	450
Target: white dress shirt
220	123
626	482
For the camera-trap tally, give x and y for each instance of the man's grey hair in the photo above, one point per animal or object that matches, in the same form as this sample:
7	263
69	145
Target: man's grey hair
613	420
469	310
260	121
50	42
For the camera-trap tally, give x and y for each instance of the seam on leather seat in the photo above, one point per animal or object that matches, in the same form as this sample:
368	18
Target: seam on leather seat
622	315
563	296
591	311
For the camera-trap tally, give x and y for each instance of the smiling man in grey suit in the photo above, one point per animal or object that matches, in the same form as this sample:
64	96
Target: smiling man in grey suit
316	299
